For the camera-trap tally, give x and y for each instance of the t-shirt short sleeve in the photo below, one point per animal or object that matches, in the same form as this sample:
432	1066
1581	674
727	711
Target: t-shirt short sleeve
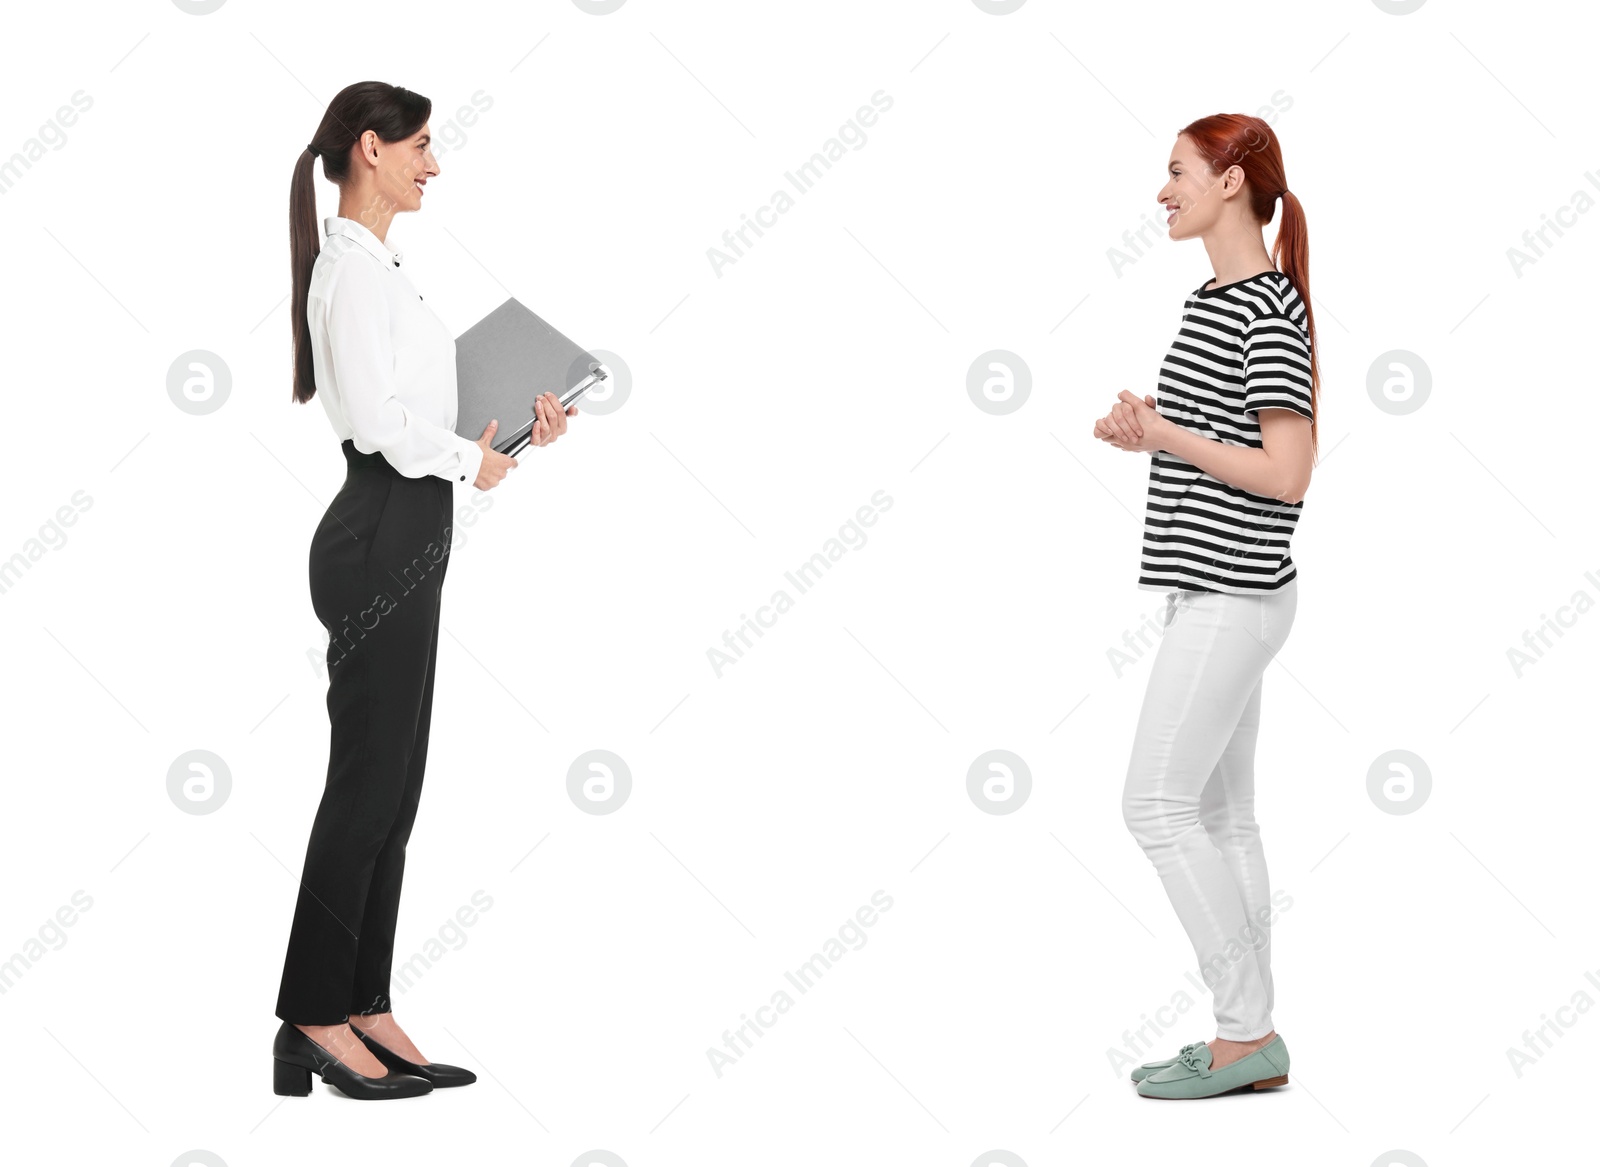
1277	365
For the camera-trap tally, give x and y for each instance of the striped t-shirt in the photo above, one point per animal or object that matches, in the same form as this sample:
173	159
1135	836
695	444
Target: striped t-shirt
1242	347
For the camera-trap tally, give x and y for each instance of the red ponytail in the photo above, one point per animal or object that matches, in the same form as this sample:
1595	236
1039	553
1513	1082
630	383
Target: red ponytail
1232	139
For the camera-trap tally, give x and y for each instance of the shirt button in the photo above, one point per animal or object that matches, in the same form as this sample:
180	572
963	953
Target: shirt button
463	478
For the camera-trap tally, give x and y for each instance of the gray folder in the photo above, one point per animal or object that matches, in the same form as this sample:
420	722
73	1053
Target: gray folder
506	360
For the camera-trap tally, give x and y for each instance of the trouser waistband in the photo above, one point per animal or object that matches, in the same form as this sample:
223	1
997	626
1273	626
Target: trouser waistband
357	460
1180	596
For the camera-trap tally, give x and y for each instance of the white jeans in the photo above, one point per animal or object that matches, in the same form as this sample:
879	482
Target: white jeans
1190	793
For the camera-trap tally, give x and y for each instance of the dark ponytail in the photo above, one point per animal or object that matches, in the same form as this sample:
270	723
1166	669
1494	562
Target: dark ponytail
394	114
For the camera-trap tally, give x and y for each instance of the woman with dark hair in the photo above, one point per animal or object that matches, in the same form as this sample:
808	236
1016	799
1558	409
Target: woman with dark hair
383	366
1232	436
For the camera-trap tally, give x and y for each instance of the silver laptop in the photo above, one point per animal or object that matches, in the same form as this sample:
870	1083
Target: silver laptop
504	362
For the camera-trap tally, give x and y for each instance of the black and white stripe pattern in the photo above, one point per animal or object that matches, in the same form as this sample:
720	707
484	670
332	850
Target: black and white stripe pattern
1241	347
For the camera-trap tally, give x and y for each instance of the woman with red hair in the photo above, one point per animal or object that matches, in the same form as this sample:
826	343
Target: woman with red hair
1232	437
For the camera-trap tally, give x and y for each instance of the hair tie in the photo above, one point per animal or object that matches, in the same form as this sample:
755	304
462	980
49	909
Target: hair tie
1285	191
312	148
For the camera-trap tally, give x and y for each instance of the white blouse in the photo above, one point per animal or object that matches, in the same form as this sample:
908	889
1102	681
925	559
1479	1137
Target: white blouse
385	364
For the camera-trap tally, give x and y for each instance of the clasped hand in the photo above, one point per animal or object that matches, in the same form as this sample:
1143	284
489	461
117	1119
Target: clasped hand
549	424
1133	424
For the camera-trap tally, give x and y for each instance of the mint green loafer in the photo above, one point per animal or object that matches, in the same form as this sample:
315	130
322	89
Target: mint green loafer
1140	1073
1193	1077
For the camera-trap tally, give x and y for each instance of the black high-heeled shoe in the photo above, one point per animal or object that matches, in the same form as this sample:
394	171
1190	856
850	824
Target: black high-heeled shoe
435	1073
295	1057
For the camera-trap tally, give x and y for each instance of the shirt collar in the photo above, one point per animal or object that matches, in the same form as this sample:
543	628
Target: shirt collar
362	234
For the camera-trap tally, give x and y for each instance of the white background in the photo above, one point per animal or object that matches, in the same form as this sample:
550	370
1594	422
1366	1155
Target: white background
767	405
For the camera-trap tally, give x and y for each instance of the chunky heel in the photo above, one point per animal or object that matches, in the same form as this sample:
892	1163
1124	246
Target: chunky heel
295	1057
1268	1083
292	1081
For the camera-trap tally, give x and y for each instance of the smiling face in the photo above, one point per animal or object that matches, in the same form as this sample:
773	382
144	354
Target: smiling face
403	167
1194	195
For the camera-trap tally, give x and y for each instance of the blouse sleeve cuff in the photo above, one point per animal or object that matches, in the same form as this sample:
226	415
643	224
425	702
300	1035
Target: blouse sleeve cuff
471	461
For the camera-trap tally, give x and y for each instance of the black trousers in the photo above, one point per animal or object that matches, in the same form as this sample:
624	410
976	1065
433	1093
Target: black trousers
378	562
